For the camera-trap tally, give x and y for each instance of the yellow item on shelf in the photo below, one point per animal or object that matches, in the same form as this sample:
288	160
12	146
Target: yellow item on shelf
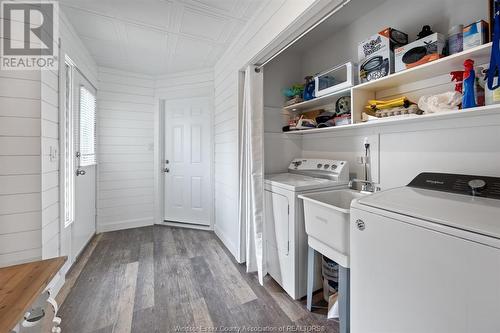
380	104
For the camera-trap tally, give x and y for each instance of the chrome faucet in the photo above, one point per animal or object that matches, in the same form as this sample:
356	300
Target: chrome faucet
366	185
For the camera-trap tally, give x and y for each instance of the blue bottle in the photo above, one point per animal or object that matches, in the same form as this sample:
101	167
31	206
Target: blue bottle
469	98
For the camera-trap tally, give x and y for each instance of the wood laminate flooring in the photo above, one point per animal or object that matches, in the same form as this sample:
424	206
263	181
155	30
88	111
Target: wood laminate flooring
164	279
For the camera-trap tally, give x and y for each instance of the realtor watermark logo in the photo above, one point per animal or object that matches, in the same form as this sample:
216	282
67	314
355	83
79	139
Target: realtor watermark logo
30	32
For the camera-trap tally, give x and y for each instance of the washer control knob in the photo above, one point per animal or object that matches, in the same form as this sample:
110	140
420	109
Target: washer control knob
327	166
476	185
319	165
334	166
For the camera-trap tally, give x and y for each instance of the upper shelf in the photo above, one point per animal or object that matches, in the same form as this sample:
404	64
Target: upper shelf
320	101
480	55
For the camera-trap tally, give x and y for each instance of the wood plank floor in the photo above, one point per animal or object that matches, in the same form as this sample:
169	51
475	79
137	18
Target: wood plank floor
164	279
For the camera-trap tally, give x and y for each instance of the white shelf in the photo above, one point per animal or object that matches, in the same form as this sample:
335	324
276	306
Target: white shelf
320	101
361	93
455	62
472	112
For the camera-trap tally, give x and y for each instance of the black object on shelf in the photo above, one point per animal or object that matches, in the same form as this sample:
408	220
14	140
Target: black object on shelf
426	31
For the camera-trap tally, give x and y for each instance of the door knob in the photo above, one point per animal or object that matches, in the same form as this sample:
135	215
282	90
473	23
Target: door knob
166	170
80	172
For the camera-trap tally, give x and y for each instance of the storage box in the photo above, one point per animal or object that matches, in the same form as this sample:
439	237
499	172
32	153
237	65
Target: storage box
475	34
335	79
419	52
376	54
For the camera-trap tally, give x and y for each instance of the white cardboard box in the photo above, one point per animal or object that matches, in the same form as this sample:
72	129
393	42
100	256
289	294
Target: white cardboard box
419	52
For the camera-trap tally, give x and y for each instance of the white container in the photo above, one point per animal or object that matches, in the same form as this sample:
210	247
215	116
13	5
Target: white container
327	216
334	79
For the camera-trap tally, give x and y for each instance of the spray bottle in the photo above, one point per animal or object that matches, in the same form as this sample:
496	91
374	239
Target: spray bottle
469	85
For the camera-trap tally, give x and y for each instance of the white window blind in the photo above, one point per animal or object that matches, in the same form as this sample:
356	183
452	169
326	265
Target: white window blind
87	128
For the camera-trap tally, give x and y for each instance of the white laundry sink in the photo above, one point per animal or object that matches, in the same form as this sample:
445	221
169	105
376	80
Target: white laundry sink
327	216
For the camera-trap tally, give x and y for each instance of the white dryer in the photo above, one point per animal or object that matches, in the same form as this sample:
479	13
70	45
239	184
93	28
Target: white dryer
285	235
426	257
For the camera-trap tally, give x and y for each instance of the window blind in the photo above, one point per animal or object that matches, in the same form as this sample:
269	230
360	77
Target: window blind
87	128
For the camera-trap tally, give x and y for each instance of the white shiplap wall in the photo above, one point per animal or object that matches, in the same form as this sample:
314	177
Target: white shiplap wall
29	178
50	165
126	150
20	167
199	83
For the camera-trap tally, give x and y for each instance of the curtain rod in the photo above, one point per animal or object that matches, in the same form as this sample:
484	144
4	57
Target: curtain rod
336	9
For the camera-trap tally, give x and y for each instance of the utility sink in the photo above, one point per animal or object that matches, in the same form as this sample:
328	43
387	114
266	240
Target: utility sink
327	218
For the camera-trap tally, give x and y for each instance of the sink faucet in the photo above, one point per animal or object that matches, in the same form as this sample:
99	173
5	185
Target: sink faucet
366	185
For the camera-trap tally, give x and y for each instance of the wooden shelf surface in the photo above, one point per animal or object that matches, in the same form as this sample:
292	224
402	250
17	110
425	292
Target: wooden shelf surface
21	285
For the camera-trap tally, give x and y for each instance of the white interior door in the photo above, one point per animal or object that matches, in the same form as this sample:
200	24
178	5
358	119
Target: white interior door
84	226
187	162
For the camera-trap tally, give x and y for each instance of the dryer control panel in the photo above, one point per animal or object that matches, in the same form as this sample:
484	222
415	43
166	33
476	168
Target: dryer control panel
481	186
321	168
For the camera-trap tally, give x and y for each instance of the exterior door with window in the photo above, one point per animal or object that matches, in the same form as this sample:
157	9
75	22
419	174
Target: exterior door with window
84	112
187	164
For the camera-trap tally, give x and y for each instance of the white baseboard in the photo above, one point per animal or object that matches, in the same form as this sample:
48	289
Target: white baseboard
127	224
227	242
57	283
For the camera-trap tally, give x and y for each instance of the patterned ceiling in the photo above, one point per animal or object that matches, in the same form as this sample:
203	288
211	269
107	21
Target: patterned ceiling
158	37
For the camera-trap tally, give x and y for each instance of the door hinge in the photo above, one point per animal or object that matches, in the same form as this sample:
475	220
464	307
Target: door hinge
288	247
288	209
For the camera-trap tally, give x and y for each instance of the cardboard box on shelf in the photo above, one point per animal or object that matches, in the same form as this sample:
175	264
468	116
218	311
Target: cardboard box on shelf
419	52
475	34
376	54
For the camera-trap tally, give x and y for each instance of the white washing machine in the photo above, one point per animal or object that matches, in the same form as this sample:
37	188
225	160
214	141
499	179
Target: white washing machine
286	239
426	257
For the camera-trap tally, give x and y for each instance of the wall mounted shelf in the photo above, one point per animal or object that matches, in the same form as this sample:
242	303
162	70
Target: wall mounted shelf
480	54
318	102
360	94
472	112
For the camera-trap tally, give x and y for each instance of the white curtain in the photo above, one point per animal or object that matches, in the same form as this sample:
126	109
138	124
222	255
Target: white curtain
251	171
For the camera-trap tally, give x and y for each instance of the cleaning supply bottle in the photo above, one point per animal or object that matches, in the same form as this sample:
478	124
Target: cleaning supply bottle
469	85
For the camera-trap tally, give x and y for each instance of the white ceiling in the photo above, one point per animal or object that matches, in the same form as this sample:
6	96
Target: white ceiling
158	37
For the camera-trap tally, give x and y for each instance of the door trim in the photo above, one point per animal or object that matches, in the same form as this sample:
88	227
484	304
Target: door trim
65	231
159	156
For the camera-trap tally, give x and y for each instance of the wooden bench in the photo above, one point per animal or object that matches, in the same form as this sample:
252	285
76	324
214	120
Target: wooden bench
21	286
